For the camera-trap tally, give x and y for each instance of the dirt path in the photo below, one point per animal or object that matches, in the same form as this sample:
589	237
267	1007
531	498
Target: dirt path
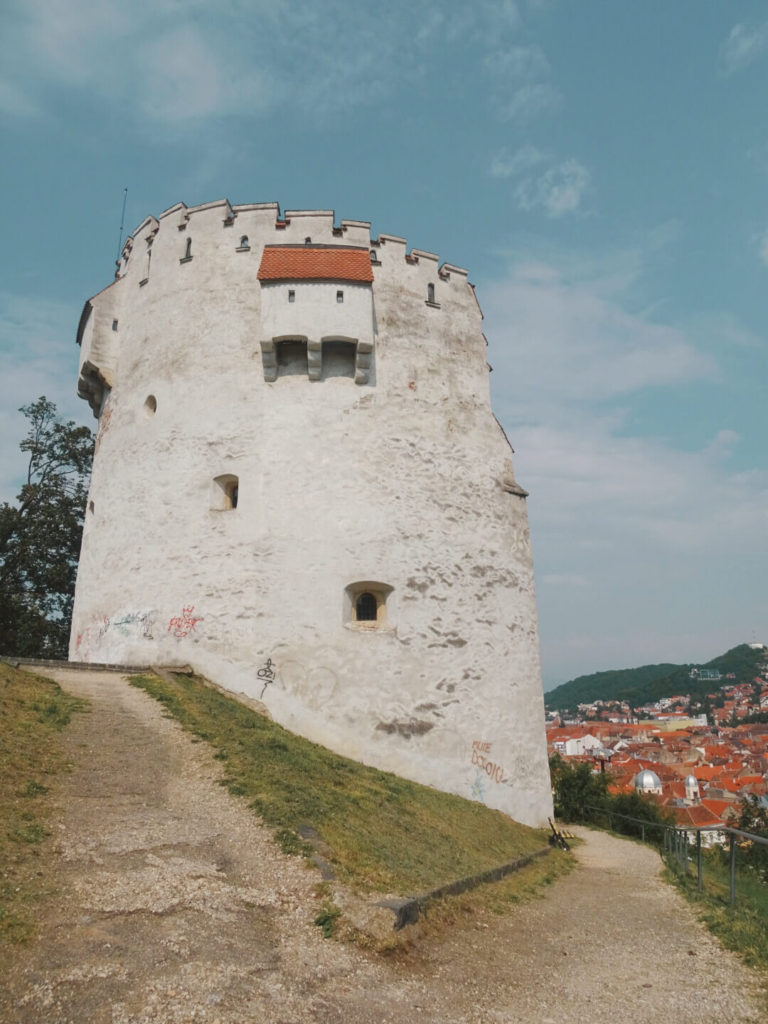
175	906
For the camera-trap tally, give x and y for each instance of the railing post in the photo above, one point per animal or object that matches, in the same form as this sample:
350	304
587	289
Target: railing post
732	853
699	861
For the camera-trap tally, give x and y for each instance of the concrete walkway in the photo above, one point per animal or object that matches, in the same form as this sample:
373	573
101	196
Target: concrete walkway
175	906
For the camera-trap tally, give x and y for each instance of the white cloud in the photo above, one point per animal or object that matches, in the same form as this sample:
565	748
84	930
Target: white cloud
558	191
530	101
742	47
506	165
661	538
165	63
575	341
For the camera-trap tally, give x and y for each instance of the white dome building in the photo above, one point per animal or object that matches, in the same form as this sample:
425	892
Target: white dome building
692	792
647	781
300	489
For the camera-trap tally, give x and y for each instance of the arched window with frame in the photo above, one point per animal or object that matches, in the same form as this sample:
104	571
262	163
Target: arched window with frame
366	605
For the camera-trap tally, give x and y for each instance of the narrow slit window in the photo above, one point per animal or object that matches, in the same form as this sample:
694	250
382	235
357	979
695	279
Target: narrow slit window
430	293
339	296
188	250
291	295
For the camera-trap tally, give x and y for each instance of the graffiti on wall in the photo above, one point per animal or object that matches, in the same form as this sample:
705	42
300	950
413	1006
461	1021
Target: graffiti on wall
267	675
133	625
486	770
182	625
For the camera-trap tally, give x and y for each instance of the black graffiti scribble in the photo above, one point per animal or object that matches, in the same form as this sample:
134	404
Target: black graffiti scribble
267	674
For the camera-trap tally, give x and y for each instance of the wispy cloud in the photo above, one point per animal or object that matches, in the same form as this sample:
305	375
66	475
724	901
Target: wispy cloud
615	512
559	187
742	47
510	165
530	101
194	61
558	191
521	78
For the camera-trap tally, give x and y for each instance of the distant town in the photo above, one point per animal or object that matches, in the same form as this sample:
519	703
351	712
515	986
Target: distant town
698	758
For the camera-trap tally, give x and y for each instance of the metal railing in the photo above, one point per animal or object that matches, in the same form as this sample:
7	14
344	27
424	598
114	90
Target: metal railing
675	843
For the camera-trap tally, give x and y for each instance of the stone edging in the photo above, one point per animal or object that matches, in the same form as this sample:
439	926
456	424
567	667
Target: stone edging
85	666
408	910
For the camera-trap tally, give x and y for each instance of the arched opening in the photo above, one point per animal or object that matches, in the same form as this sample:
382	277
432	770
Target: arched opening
430	292
339	358
225	492
366	607
292	358
244	242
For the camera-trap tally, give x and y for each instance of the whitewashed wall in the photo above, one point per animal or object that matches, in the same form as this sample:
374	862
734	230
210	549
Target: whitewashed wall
406	481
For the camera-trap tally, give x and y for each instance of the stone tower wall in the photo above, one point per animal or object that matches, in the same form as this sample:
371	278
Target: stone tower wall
392	478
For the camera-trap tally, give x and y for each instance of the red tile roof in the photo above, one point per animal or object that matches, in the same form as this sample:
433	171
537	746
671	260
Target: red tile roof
697	815
721	808
312	263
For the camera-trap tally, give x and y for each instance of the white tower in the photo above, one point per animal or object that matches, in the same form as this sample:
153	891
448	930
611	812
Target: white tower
299	488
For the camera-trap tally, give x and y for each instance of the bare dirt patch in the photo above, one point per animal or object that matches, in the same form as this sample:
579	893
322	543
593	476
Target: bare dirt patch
175	905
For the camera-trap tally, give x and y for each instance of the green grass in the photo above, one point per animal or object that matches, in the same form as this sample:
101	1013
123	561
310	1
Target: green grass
382	833
742	928
33	711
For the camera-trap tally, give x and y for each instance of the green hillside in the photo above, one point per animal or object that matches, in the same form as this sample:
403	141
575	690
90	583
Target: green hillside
651	682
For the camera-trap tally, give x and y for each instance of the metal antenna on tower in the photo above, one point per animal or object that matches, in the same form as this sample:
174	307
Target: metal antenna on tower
122	224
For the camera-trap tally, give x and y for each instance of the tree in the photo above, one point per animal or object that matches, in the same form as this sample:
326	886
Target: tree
753	817
578	791
40	536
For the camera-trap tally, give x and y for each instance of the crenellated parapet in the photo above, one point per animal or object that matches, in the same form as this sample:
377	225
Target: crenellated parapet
213	226
221	251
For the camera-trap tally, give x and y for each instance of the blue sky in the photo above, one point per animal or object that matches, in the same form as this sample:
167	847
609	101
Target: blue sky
600	168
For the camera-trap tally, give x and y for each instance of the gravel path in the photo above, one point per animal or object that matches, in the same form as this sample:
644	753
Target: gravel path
175	906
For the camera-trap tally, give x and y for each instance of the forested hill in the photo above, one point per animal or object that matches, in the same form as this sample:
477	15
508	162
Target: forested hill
651	682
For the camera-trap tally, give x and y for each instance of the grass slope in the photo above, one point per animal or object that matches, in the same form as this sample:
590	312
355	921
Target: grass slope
651	682
382	832
33	712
